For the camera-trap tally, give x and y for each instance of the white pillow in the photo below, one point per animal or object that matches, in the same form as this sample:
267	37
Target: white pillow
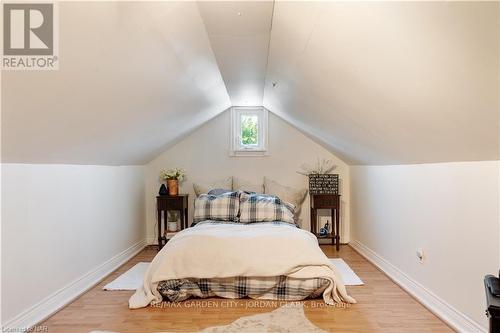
294	196
226	183
244	185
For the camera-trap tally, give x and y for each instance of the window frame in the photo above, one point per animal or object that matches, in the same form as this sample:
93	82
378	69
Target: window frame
237	148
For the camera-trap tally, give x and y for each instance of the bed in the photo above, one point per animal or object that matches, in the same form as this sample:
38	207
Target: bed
241	245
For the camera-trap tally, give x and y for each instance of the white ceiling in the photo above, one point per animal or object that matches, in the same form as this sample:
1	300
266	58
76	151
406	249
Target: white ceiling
239	32
375	82
127	86
389	83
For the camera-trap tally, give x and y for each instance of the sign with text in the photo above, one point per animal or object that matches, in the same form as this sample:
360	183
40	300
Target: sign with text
324	184
30	36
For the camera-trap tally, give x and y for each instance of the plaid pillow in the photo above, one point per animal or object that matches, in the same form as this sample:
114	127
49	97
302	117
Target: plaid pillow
264	208
223	207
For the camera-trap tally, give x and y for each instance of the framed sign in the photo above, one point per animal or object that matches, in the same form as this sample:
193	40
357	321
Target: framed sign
324	184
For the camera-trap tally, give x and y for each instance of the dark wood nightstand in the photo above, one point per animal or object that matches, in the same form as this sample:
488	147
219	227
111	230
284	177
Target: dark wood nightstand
165	203
326	201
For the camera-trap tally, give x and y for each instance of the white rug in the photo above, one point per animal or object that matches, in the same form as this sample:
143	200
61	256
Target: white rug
350	278
133	278
288	318
130	280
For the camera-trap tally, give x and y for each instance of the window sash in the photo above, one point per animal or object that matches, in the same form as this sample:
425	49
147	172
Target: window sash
240	130
236	130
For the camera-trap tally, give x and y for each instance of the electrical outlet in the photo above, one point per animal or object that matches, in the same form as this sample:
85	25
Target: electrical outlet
420	255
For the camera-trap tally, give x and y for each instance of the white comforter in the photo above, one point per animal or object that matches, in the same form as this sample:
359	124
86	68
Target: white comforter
216	250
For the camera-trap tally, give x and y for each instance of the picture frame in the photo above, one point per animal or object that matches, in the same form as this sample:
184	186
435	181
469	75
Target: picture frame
324	184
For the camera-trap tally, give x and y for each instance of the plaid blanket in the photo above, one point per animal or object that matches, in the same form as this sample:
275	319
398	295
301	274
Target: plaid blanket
281	288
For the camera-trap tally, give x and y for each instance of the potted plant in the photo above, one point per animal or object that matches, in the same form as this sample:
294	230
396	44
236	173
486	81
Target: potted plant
172	220
173	177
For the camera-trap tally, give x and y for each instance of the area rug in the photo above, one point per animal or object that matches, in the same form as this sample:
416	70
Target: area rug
348	276
130	280
288	318
133	278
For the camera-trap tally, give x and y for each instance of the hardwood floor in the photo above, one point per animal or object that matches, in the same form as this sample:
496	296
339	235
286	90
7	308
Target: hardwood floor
382	307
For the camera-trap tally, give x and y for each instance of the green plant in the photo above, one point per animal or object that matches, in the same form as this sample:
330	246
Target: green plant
249	130
172	215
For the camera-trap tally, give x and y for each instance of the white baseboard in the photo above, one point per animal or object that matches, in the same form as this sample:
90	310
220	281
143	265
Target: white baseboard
53	303
151	240
436	305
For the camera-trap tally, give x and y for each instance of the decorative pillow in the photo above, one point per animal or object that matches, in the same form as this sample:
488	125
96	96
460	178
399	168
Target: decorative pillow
244	185
224	207
264	208
204	188
294	196
218	191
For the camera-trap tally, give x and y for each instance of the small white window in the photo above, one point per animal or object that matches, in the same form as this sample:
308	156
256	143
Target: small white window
249	131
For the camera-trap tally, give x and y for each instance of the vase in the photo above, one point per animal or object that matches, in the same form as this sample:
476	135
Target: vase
172	226
173	186
163	190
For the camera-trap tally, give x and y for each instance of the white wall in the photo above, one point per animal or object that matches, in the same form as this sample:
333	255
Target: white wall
204	154
60	222
448	209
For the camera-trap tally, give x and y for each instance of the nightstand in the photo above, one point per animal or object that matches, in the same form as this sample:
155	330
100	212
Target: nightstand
326	201
165	203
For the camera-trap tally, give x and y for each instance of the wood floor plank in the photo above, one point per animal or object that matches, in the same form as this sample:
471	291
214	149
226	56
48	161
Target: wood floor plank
382	307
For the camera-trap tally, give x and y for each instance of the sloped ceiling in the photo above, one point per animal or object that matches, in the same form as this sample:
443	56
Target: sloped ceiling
389	82
375	82
239	33
133	78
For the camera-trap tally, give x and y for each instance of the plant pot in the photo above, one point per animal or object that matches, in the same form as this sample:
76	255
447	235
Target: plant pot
173	186
172	226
